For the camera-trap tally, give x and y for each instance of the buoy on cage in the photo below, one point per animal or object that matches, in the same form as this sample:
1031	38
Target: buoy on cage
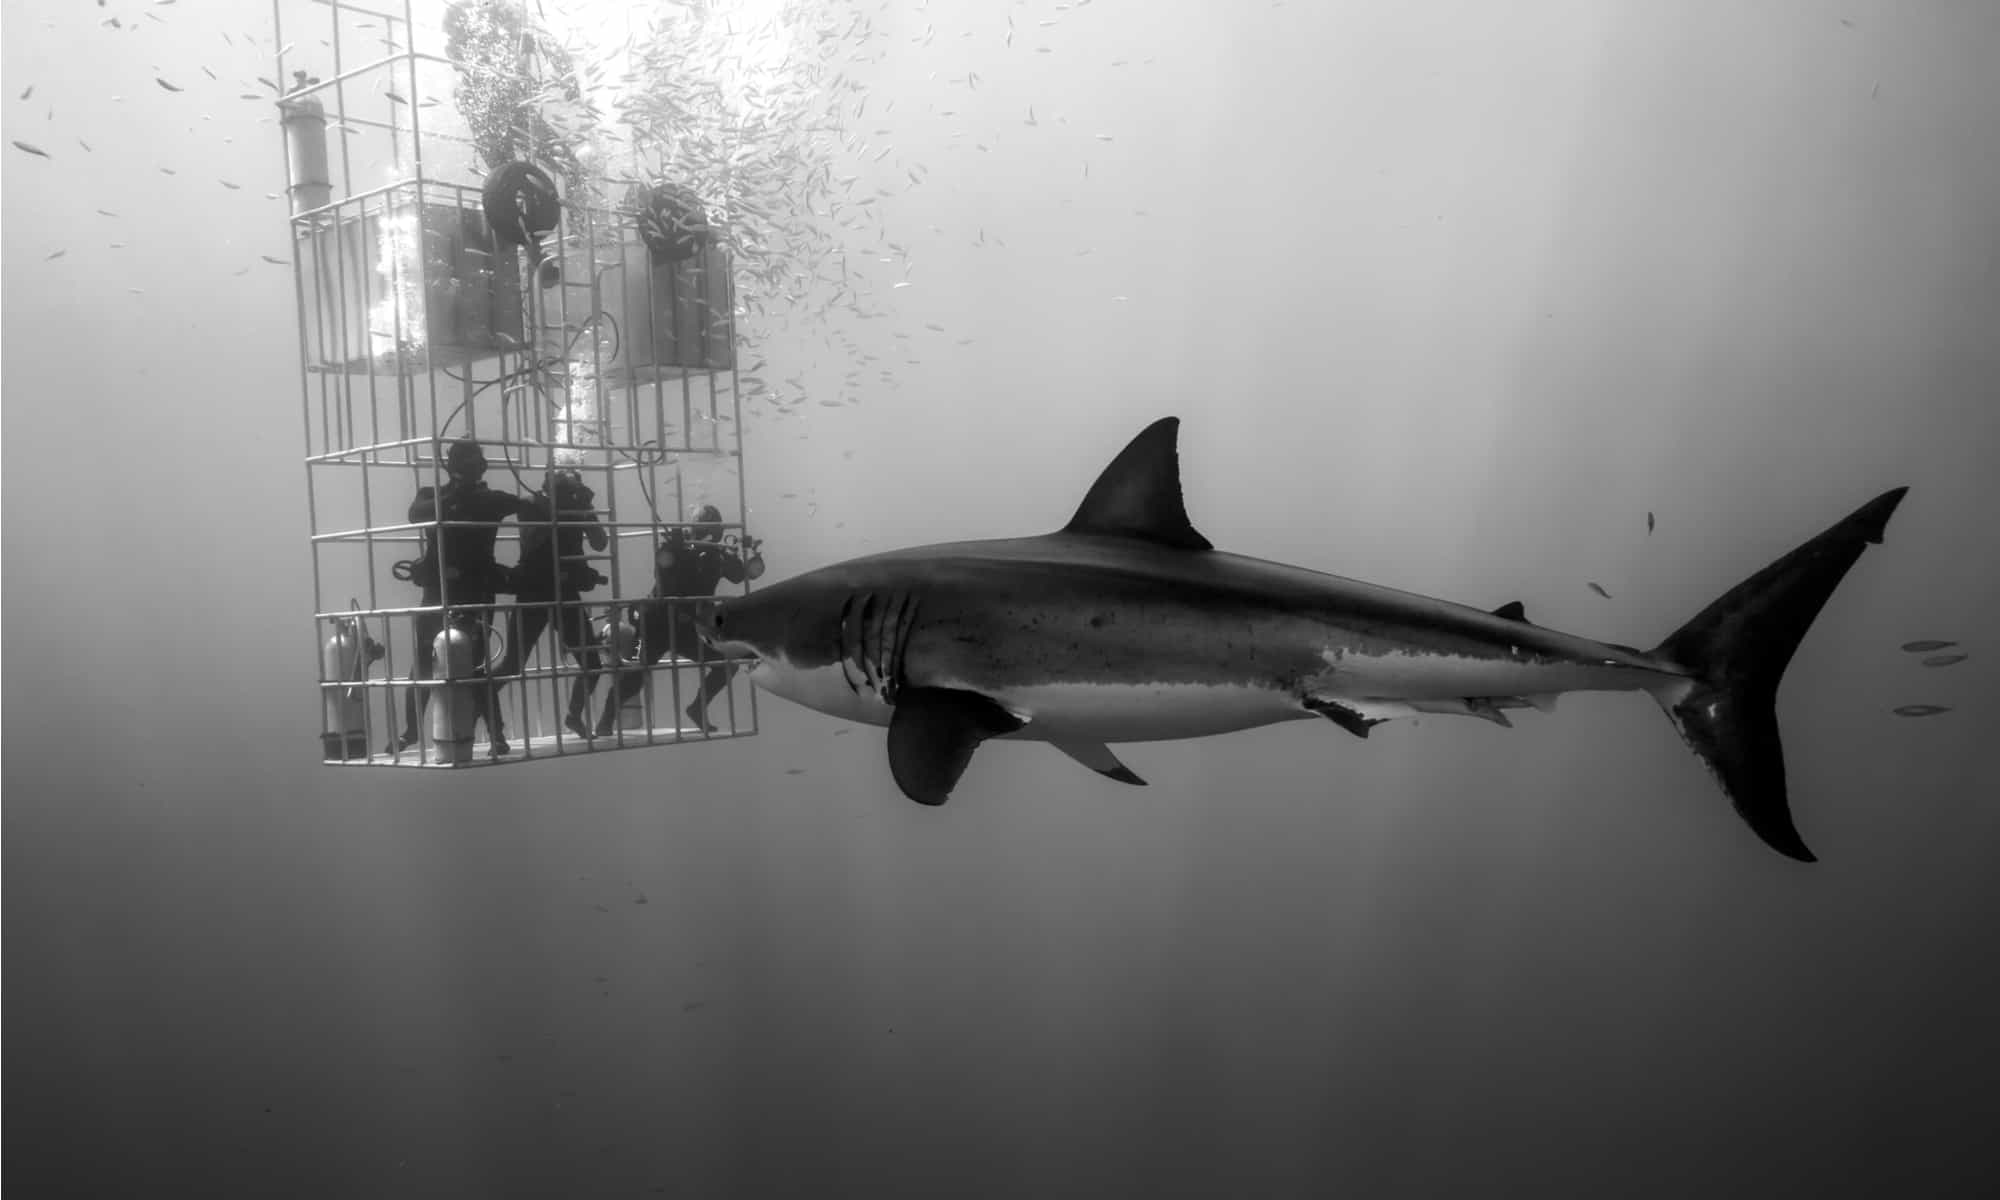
522	206
673	222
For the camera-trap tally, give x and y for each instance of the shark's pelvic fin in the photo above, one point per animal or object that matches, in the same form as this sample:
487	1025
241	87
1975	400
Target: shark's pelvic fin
1344	716
1098	757
932	736
1139	494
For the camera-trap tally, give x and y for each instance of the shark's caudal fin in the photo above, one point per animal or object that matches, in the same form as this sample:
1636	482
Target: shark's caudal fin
1737	650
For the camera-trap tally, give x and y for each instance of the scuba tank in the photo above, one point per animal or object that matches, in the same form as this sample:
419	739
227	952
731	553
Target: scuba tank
456	705
620	638
305	148
345	659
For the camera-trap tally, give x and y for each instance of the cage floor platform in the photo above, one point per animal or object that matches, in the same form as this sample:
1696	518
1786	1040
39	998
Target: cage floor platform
536	746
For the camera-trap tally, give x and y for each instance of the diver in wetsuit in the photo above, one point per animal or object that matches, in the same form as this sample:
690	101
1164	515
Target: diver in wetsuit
463	576
550	579
684	566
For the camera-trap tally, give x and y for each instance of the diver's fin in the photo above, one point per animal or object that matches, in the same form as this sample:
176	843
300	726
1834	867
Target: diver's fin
1139	494
1098	757
1737	649
1513	610
1343	715
932	736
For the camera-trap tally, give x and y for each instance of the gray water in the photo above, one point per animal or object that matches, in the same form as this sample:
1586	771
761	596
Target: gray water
1449	296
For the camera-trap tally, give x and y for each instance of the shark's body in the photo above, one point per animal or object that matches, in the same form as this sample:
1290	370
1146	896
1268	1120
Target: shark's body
1127	626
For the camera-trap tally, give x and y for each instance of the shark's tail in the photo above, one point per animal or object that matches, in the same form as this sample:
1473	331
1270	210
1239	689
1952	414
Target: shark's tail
1736	651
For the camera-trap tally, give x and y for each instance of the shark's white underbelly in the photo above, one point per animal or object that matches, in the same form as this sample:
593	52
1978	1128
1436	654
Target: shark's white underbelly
1424	676
1094	712
1116	712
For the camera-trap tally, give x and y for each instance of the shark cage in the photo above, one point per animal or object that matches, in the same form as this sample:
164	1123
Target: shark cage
521	406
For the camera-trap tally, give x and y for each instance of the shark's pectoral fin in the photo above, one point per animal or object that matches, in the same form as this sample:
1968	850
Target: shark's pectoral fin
1098	757
1344	715
932	735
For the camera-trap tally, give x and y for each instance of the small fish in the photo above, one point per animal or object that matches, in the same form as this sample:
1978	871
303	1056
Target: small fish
694	1006
33	149
1927	645
168	171
29	92
1599	589
234	187
275	261
163	83
1649	523
1922	710
1945	660
105	212
795	771
55	255
85	145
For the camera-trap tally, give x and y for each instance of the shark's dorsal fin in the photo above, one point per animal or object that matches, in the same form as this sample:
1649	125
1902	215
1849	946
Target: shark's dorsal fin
1139	494
1513	610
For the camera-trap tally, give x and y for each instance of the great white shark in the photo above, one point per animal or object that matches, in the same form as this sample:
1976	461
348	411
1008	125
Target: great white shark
1127	625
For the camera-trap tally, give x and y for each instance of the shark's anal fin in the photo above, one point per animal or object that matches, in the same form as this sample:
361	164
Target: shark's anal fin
1139	494
1343	716
932	736
1098	757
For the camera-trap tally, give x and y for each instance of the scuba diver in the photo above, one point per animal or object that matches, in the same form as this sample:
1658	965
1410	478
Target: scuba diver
464	575
550	579
685	565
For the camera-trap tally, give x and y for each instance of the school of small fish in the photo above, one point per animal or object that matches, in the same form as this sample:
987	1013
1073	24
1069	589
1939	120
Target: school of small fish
767	116
1926	646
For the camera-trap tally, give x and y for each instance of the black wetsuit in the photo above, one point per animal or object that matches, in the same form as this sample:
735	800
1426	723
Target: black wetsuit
549	579
464	575
698	568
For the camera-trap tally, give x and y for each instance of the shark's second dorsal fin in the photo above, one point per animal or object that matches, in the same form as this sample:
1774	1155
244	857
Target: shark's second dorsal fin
1139	494
1513	610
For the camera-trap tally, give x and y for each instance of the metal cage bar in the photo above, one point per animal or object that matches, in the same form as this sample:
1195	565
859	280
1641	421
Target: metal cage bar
418	324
